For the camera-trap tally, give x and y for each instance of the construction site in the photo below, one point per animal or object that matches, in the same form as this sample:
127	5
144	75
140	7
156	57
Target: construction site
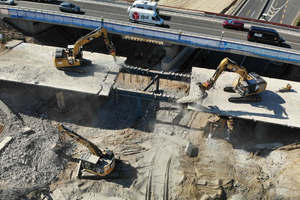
123	128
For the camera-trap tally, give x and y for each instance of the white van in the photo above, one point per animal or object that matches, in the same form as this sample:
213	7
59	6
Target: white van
144	4
145	16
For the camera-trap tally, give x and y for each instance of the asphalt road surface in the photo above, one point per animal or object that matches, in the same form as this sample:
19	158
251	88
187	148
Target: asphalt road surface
176	21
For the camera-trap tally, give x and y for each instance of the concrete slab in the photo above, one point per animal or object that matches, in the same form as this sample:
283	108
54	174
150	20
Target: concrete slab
33	64
275	107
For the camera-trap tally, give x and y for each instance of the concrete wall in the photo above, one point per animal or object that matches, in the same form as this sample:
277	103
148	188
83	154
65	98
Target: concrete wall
28	27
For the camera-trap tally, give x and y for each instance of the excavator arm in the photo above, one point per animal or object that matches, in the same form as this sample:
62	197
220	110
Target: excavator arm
90	37
228	64
92	147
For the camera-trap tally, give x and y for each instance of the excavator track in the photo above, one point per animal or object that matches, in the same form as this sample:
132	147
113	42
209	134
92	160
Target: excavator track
247	99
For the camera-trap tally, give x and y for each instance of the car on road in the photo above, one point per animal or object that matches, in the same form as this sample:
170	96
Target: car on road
69	7
234	24
7	2
266	35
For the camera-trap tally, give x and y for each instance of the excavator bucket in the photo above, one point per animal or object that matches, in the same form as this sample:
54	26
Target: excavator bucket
203	93
203	87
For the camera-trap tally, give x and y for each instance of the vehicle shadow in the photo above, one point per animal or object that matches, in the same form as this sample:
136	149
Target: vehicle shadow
165	17
270	101
285	45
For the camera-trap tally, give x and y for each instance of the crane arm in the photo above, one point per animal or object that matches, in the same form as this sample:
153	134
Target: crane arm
226	63
90	37
92	147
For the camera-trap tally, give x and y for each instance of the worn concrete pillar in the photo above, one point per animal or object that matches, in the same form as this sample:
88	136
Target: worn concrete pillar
261	132
138	107
60	101
175	58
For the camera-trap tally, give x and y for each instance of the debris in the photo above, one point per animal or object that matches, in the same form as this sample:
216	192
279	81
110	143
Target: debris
290	147
268	146
287	88
191	150
188	149
205	197
13	43
26	130
1	128
202	182
5	142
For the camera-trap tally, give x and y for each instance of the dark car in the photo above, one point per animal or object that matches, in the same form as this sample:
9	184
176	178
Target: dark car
266	35
235	24
7	2
69	7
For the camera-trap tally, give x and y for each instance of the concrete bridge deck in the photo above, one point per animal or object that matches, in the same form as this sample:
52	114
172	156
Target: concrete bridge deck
33	64
275	107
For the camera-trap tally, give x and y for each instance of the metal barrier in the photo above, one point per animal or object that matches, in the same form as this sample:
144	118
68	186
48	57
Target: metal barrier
162	34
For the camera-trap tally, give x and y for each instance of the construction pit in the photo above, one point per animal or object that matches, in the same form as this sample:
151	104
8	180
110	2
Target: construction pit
253	160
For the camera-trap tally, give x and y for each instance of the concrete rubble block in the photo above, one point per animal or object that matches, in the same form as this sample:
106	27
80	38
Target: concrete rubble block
237	197
217	194
5	142
57	195
188	149
26	130
191	150
201	182
205	197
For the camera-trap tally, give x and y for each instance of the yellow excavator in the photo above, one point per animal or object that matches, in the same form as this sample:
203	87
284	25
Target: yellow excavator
99	163
72	56
247	85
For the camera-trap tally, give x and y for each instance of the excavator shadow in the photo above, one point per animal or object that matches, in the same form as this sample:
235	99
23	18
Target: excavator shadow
85	70
123	174
270	101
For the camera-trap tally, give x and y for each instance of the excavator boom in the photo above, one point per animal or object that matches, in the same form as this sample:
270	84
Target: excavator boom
91	146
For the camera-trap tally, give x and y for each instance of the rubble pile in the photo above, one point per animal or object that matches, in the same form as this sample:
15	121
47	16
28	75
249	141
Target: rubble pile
27	162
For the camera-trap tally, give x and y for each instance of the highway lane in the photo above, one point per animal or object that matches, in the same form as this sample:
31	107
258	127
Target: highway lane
282	11
196	24
252	9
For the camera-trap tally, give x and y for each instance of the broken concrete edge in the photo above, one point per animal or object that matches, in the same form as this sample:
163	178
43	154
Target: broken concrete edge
13	43
5	142
49	87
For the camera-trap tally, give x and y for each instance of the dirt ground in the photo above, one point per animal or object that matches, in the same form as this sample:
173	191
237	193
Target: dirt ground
251	161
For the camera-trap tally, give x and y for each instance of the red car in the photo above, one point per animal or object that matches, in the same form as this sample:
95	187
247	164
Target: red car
235	24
